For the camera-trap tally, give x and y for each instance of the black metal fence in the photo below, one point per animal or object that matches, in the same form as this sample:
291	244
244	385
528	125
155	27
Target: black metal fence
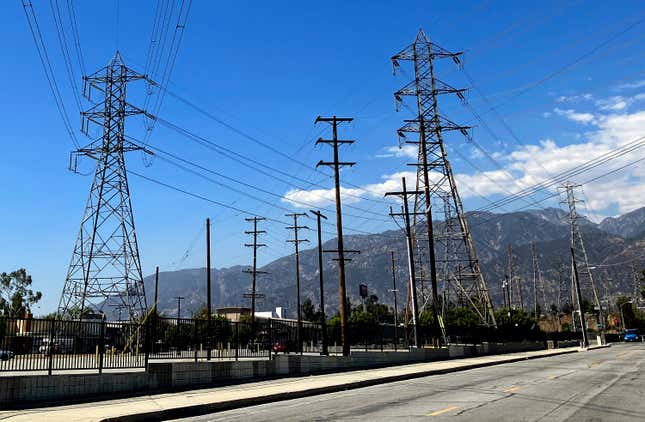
28	344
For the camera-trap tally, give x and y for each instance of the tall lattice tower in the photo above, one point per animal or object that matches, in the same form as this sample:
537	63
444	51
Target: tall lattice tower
435	177
105	268
587	283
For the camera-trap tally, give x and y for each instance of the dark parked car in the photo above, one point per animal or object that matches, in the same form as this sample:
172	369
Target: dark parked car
6	355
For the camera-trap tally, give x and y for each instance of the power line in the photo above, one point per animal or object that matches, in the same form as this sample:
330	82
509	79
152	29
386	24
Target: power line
244	160
588	165
76	36
62	41
255	139
251	186
41	49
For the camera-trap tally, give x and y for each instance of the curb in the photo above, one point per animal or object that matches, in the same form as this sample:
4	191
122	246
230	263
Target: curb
206	408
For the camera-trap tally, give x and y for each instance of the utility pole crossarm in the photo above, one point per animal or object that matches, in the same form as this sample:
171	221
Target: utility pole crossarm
254	269
336	164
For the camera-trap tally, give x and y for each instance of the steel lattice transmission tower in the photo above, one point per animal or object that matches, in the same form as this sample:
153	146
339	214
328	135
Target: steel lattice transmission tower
105	266
435	178
578	246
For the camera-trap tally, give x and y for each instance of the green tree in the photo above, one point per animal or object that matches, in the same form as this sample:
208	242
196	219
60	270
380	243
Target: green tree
16	296
309	312
515	324
459	319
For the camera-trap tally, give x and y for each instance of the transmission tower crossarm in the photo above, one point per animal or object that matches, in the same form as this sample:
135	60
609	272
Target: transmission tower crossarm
430	126
105	266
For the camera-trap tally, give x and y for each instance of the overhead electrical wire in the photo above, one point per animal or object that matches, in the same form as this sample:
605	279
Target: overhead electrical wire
258	141
247	161
67	57
76	36
254	187
41	49
575	170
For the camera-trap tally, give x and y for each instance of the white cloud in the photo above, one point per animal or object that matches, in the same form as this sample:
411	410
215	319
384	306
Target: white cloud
608	130
575	116
616	103
476	153
300	198
405	150
631	85
574	98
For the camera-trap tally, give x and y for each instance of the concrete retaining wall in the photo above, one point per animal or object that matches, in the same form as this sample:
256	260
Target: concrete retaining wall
21	391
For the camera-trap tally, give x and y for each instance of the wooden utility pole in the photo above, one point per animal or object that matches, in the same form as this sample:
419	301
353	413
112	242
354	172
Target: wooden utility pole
208	288
323	322
296	241
512	277
336	164
156	290
179	299
583	323
536	276
405	194
396	307
254	271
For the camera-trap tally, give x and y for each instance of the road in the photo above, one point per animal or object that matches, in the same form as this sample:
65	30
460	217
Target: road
600	385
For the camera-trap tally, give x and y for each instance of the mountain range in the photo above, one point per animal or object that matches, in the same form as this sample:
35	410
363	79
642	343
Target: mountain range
615	247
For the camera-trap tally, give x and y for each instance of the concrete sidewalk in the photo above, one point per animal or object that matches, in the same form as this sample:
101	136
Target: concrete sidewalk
195	402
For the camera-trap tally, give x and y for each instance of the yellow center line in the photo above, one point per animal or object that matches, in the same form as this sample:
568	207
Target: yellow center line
513	388
447	409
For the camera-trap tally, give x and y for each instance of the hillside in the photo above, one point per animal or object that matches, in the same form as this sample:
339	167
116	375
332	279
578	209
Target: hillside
492	233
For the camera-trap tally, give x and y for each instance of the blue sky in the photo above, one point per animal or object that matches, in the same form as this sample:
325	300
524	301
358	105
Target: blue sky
567	80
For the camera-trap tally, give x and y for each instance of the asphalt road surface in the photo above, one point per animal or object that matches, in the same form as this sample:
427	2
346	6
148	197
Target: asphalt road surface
600	385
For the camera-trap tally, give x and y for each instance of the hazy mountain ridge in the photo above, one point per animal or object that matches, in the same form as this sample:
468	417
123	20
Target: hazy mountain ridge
492	234
627	225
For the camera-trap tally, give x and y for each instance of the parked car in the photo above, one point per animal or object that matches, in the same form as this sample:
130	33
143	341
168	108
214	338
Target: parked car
283	346
631	334
6	355
60	345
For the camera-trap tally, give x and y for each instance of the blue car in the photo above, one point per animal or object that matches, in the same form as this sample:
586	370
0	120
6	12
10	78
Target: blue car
631	334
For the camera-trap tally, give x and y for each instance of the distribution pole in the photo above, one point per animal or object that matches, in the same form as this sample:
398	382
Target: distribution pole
323	322
179	298
296	241
156	289
254	272
536	275
208	287
512	276
405	194
396	307
583	323
337	164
